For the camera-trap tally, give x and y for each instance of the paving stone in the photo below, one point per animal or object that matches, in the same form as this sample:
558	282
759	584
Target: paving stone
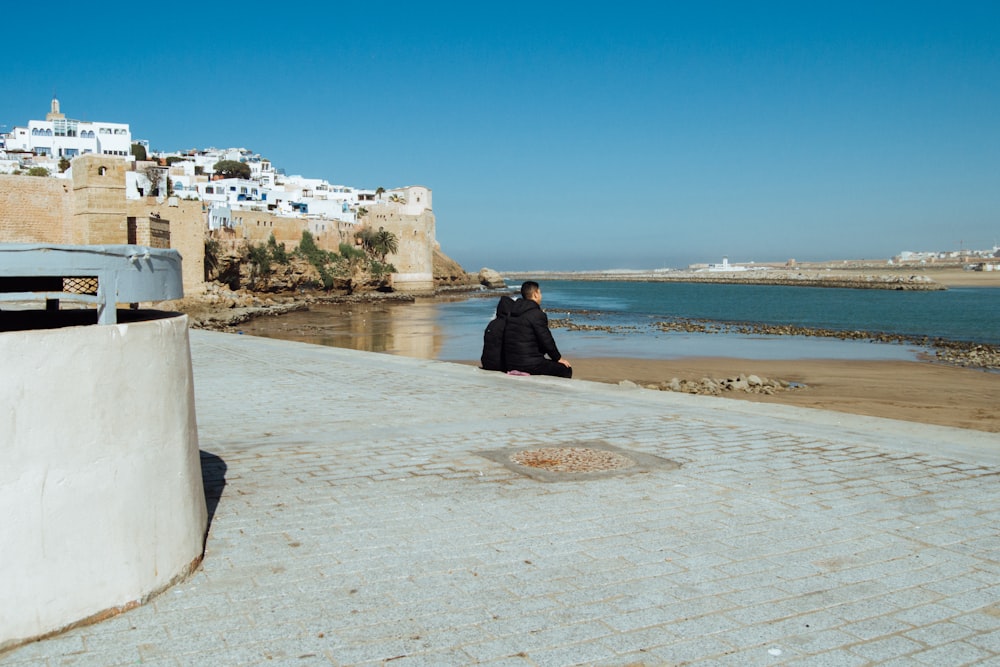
357	521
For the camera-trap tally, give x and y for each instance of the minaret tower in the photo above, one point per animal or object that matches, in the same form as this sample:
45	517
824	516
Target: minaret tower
54	113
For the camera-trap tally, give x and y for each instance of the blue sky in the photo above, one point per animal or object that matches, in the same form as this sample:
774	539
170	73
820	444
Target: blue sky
574	135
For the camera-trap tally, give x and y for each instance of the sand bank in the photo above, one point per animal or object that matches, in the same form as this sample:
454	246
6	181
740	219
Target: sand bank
962	278
922	392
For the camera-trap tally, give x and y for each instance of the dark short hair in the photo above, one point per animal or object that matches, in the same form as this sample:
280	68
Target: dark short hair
529	287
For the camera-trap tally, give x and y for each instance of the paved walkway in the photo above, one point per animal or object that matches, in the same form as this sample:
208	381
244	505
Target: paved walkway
357	521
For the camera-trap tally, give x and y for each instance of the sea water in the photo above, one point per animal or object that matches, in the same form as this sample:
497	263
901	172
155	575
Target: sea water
967	314
452	329
633	308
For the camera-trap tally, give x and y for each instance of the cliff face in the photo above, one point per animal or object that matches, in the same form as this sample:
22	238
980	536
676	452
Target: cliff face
449	273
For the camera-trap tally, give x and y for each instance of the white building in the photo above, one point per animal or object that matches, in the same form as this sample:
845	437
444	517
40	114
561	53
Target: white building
58	137
726	266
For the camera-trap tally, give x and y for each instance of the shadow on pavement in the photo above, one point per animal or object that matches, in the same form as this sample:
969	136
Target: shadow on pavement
213	478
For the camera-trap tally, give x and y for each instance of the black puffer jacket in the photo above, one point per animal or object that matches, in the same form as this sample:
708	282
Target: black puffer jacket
527	338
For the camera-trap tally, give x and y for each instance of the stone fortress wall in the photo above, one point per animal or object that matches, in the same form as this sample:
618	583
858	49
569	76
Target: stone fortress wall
93	209
36	210
413	223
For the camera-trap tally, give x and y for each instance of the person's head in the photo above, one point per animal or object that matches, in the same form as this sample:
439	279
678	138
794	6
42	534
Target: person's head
531	291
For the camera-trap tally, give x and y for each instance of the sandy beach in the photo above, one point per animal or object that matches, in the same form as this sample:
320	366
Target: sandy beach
961	278
925	392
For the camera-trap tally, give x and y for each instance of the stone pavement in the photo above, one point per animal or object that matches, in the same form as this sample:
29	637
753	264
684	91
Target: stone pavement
358	520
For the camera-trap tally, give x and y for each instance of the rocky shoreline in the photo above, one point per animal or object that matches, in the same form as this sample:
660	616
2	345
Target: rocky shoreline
219	308
706	386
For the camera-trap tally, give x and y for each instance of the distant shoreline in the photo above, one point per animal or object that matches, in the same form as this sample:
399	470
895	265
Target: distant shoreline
903	278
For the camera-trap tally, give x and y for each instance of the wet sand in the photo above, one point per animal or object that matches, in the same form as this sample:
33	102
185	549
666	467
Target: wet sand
924	392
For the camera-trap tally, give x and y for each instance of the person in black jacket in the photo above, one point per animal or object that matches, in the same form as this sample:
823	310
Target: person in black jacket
528	345
492	358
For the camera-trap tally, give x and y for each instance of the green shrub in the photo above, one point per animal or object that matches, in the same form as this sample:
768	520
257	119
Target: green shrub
277	250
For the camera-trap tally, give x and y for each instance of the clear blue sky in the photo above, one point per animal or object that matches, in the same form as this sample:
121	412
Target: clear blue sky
573	134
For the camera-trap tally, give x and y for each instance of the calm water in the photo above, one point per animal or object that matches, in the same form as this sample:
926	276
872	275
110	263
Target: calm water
452	330
971	314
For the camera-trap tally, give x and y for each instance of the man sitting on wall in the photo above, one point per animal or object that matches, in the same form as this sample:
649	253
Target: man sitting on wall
528	344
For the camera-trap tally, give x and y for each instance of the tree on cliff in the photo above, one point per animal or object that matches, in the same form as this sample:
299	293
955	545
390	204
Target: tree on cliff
260	264
232	169
386	243
277	250
319	258
378	244
154	175
353	265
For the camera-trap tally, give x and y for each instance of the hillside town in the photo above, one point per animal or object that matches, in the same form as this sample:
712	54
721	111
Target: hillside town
232	199
50	145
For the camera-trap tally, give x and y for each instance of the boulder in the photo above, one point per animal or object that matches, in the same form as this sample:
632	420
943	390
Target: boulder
491	279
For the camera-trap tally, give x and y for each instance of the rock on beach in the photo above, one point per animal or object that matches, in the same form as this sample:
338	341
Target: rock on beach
491	279
748	384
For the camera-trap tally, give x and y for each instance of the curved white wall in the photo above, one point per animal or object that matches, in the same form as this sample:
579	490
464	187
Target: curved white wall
100	482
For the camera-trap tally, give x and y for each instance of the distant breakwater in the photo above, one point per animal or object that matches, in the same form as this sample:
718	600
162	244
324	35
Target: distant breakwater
842	279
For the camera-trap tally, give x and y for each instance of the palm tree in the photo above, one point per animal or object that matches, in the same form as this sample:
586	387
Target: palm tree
384	243
366	238
379	192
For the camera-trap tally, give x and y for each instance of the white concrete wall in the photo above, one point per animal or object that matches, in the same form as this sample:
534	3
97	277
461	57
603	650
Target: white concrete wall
100	487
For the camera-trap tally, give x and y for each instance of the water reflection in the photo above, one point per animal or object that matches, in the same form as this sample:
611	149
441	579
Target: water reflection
452	330
406	329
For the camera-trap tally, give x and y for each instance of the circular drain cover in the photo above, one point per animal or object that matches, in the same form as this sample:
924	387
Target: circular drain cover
572	459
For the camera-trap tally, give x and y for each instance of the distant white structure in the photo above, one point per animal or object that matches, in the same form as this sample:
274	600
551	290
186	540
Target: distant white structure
61	137
726	266
964	255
